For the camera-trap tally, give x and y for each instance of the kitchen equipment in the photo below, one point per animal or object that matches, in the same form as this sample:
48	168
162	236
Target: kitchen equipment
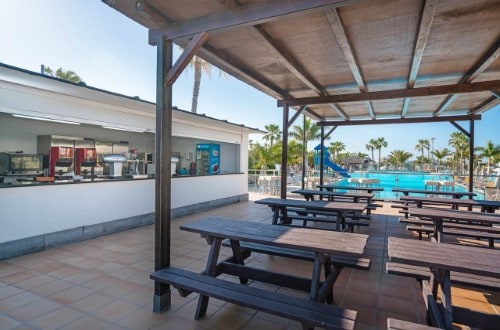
18	163
60	160
116	163
85	160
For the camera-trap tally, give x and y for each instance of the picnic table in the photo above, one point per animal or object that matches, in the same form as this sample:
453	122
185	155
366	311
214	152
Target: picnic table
455	203
354	196
332	187
439	215
454	194
321	247
441	259
281	206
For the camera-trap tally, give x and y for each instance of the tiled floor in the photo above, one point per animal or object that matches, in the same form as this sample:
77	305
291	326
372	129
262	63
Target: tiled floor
104	283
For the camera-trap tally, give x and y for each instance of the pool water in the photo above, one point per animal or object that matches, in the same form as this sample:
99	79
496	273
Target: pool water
407	180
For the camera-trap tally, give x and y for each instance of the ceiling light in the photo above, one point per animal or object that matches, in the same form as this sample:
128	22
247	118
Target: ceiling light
137	130
47	119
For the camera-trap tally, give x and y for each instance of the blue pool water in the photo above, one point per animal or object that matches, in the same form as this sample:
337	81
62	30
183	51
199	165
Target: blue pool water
408	180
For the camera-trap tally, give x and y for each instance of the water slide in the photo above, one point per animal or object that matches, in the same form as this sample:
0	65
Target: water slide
328	162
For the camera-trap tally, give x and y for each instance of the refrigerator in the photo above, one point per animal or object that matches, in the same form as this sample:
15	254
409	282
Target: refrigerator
207	159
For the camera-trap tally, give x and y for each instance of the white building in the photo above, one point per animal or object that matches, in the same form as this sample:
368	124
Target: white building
36	216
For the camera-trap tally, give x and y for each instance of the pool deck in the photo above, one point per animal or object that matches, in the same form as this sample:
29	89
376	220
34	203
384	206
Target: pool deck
104	283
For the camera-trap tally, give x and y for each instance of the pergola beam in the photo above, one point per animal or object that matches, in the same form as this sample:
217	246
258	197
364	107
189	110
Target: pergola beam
482	106
396	94
186	57
491	55
349	55
296	115
424	31
400	120
259	13
340	111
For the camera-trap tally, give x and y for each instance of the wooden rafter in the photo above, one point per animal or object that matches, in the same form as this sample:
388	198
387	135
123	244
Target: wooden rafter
339	110
350	57
287	60
397	94
483	105
259	13
424	31
185	57
400	120
486	60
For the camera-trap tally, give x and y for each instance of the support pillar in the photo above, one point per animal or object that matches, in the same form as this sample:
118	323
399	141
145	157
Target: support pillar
471	157
304	153
163	184
284	151
322	156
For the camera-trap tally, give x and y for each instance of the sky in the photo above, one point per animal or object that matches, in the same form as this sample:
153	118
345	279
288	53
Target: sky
110	51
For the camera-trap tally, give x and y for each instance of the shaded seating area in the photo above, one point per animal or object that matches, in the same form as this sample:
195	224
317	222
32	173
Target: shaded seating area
104	282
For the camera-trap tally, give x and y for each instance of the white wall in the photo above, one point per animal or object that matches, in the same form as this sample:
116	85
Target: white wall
37	210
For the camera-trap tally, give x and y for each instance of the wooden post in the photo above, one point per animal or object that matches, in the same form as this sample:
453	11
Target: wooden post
471	157
284	152
163	152
304	153
322	156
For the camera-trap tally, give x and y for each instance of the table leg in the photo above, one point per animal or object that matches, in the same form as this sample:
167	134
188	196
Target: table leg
238	257
213	256
441	282
438	230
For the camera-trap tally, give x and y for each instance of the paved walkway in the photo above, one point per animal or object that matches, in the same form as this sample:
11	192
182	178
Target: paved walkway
104	283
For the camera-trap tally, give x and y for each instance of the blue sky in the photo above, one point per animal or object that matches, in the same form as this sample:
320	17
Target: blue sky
110	51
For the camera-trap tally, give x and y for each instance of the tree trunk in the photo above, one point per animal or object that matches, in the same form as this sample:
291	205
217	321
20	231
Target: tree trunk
196	85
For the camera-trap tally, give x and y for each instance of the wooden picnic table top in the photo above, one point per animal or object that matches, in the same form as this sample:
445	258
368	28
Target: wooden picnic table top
333	193
436	213
331	187
456	194
328	242
313	205
450	257
451	201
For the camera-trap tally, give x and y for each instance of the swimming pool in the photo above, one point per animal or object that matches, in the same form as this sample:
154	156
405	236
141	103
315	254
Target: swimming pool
408	180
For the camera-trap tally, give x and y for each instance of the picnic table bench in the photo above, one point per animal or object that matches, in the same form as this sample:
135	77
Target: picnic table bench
441	260
330	187
355	197
343	214
310	312
459	223
455	203
454	194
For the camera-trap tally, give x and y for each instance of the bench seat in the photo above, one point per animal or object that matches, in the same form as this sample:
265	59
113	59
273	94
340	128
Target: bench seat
395	324
339	261
423	273
309	313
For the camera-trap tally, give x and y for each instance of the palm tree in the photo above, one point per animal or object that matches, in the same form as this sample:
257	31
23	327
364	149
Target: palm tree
399	157
335	148
312	132
273	133
62	74
371	146
422	160
440	155
421	146
379	144
200	66
459	141
490	151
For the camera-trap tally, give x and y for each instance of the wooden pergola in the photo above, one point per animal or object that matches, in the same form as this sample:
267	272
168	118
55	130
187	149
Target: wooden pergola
339	62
